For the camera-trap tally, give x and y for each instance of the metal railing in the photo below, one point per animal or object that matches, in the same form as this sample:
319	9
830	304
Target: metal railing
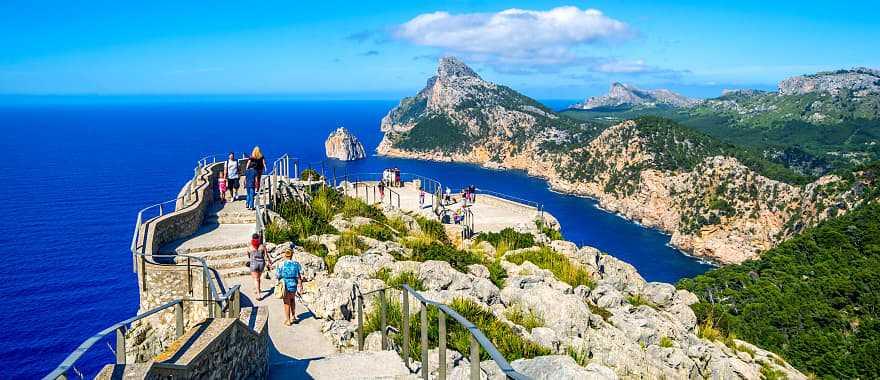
477	338
227	304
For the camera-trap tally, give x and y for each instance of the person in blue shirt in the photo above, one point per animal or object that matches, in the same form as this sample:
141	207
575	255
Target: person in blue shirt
250	183
291	273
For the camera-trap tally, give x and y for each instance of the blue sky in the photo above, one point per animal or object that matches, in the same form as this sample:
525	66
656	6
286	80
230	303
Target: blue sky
331	49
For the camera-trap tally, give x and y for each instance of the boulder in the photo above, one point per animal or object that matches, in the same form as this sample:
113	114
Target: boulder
478	270
659	293
561	367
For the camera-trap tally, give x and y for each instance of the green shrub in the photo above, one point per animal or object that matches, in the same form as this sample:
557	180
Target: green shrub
768	373
376	231
349	244
600	311
355	207
562	268
529	319
551	233
397	282
665	342
277	234
639	300
497	273
502	336
581	355
432	229
507	239
309	175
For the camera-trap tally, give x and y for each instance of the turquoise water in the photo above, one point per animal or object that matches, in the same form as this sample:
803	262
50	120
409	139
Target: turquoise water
76	172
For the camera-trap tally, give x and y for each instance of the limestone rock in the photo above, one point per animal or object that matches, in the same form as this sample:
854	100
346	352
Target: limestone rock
342	145
627	95
561	367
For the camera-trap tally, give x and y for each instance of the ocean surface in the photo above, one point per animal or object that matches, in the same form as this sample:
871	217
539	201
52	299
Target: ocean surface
77	171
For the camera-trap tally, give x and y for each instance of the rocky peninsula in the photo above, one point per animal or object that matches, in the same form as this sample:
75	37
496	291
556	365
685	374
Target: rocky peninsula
714	205
343	145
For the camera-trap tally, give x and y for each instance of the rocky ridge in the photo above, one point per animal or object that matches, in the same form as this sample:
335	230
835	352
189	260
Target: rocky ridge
343	145
627	95
611	335
861	81
718	209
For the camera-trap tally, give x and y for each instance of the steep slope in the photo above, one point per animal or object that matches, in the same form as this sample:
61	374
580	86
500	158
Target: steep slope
716	200
812	299
624	96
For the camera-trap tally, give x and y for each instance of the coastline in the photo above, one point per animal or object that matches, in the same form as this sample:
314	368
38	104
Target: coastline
385	150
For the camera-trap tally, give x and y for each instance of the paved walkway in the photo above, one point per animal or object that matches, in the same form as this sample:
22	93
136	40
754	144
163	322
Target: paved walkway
491	214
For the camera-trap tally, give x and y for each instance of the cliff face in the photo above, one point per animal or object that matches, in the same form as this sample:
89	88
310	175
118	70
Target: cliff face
343	145
713	205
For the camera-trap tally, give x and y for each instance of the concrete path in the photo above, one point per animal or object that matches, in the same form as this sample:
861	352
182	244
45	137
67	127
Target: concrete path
292	349
491	214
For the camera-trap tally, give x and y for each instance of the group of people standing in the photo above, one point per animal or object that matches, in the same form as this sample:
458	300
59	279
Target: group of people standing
253	172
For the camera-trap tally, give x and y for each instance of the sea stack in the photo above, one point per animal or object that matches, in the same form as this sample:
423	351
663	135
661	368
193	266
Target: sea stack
342	145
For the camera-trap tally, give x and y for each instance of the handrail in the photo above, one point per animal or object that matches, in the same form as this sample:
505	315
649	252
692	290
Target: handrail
477	338
232	300
509	197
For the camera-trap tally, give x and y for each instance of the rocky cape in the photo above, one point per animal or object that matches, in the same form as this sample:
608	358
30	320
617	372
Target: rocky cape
343	145
614	336
715	207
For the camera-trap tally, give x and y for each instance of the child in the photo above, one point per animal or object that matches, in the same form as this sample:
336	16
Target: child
222	184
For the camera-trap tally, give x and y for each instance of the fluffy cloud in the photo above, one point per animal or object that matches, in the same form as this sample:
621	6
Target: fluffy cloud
516	36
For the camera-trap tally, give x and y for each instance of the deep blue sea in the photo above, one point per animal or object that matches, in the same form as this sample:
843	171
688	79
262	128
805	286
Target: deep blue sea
77	170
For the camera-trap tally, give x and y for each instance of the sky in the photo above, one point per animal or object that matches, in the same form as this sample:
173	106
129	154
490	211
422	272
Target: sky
386	49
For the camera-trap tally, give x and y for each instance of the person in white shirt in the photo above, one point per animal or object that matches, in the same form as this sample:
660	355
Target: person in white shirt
230	172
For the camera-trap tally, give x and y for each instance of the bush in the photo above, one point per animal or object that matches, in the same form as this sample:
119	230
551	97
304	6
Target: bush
397	282
562	268
497	273
375	231
665	342
309	175
277	234
639	300
432	229
581	355
529	319
602	312
507	239
502	336
550	232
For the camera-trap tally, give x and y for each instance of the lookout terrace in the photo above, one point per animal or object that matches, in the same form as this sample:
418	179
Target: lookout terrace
402	278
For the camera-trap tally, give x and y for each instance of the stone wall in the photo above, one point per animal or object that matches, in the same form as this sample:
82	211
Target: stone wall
239	351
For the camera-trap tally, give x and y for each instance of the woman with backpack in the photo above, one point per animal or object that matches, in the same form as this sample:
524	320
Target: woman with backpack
289	275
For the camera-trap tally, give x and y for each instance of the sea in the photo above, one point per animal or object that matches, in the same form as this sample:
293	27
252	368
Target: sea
77	170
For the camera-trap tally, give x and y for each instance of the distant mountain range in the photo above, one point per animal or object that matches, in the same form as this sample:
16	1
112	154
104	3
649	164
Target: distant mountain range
624	96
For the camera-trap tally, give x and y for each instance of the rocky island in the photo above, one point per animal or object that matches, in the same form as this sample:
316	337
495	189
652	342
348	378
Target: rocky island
717	201
627	95
343	145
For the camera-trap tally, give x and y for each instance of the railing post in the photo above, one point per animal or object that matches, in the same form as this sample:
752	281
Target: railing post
441	345
218	309
406	327
475	357
384	318
360	311
236	303
178	318
424	325
120	345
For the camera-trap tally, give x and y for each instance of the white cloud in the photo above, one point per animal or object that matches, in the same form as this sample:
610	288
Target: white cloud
515	36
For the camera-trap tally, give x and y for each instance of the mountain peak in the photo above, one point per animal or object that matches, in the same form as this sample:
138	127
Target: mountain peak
453	67
627	95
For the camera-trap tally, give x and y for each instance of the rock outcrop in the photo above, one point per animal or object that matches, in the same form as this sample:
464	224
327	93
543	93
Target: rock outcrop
591	332
861	81
626	95
714	207
342	145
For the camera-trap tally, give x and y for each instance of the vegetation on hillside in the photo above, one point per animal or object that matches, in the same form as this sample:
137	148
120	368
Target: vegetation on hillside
814	299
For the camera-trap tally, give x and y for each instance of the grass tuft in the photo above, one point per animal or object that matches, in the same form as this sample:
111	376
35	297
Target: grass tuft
562	268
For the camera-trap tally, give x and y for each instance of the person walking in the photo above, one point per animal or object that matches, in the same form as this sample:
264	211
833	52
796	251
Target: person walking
230	172
421	197
381	191
250	180
258	162
291	273
258	262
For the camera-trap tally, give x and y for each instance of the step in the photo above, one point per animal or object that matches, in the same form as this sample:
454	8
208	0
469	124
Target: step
238	262
220	254
230	219
233	272
196	251
360	365
130	371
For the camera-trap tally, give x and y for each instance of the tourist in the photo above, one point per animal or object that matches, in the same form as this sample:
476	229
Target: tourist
258	162
230	172
448	195
421	197
250	180
291	273
221	184
382	191
257	261
473	192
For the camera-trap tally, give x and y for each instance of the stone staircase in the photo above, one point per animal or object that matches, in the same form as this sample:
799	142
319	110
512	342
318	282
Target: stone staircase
222	240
